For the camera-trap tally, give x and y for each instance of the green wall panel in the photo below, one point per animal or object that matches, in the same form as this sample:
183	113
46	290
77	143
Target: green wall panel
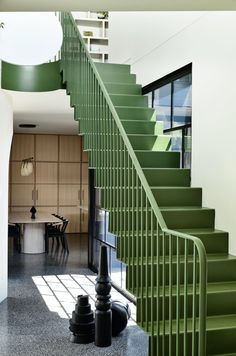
39	78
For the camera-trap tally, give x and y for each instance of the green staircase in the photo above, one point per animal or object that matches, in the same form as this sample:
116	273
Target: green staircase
165	237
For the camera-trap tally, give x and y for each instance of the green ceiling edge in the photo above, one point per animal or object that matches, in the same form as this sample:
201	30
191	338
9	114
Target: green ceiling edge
27	78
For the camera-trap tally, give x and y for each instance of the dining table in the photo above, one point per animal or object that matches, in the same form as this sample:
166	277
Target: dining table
33	230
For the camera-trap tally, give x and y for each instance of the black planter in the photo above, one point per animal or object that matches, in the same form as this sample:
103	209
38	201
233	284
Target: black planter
82	322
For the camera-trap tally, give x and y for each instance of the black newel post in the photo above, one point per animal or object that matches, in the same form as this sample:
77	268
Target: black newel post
103	314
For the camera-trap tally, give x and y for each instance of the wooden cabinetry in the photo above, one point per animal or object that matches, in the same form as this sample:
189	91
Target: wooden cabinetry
59	183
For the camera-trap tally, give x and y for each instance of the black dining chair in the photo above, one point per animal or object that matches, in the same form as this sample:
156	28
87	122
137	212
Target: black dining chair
14	232
57	231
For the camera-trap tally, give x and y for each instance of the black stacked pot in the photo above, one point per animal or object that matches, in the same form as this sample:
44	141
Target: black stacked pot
82	323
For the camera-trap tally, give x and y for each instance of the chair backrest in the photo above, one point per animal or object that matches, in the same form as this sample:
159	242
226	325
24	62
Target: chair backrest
64	225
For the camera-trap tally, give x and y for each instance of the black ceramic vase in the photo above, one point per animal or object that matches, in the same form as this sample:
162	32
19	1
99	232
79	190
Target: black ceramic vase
33	212
120	316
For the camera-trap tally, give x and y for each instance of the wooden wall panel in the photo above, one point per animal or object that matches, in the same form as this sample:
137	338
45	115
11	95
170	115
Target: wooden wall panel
46	148
22	147
22	194
70	149
46	172
69	195
69	173
46	195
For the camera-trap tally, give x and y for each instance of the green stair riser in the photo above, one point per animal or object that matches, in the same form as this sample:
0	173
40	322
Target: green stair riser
214	305
167	177
129	100
116	88
214	244
218	271
124	197
118	78
178	196
187	219
162	177
218	341
138	127
151	159
134	113
112	68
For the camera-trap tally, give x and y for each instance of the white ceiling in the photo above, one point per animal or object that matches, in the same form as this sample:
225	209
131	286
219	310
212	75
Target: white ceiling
116	5
50	111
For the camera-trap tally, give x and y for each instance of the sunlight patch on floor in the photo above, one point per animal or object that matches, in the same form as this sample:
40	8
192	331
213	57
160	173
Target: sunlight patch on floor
60	292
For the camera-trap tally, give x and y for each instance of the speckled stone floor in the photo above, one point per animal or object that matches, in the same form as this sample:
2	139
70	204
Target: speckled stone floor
28	326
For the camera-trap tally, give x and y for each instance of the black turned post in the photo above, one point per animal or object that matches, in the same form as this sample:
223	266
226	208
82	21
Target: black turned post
103	314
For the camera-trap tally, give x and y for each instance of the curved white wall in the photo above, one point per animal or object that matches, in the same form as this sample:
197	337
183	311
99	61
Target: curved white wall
208	41
6	132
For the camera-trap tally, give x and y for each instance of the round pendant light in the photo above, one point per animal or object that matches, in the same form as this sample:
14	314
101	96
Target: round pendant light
29	38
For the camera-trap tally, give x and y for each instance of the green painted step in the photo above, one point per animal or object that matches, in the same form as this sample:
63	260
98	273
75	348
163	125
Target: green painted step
188	217
129	100
215	242
112	67
165	196
134	113
153	159
216	292
169	177
123	88
139	127
116	77
177	196
221	268
142	142
145	142
221	331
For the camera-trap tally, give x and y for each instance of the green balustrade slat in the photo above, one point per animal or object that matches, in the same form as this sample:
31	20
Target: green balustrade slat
152	252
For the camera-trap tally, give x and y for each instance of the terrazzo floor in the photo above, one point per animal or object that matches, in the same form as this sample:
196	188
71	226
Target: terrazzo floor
42	294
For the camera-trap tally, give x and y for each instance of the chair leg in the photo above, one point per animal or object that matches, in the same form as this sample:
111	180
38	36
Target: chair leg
46	243
65	243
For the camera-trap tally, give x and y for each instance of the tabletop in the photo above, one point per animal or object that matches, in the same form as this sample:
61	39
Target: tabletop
25	218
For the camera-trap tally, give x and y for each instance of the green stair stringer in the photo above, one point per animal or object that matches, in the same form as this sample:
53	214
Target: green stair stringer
146	194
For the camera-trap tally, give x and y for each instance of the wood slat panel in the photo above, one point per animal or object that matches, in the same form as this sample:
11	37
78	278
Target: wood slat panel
22	147
69	195
69	173
70	148
46	148
46	172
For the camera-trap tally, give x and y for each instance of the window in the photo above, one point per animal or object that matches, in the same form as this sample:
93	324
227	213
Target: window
171	97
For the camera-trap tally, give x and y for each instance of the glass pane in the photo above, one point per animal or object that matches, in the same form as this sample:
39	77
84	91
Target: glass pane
182	101
149	95
187	148
162	104
96	250
100	225
115	269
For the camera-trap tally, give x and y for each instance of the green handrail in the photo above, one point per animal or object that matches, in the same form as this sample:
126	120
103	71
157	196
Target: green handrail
165	265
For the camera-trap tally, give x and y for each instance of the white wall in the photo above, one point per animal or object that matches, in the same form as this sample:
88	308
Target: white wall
209	42
6	131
